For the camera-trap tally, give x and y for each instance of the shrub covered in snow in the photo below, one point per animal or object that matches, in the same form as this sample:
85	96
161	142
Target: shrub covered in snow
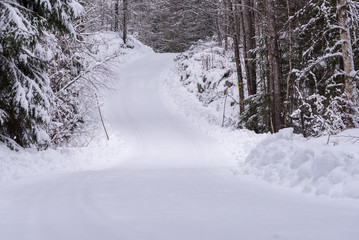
207	71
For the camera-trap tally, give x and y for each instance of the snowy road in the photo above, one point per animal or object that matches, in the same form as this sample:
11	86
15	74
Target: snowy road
177	185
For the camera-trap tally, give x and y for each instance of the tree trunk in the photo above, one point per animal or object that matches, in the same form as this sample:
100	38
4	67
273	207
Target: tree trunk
218	28
274	68
217	17
117	15
290	55
234	23
148	22
346	50
125	20
249	45
226	23
238	16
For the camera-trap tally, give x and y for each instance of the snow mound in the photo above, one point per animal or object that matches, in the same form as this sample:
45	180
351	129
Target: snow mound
27	163
320	165
106	44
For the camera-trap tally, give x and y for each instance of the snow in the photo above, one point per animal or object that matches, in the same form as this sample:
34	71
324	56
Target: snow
308	165
237	143
170	171
16	17
285	159
77	8
107	43
29	163
313	166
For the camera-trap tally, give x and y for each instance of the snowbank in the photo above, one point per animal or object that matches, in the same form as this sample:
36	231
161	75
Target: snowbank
106	44
28	163
309	165
313	166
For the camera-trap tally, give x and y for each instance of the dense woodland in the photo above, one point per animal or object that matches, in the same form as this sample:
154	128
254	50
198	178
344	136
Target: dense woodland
295	61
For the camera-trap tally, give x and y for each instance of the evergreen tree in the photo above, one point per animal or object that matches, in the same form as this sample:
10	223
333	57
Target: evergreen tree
320	100
25	93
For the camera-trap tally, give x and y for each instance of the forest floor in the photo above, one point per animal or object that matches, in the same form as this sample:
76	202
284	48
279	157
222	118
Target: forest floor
174	182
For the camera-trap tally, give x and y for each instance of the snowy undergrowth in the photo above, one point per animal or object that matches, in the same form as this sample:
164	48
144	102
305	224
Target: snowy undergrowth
206	70
315	166
99	153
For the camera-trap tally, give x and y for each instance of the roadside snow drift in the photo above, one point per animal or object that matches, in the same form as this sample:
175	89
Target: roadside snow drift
315	165
322	166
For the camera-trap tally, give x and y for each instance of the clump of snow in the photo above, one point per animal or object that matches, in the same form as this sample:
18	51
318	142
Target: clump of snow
77	8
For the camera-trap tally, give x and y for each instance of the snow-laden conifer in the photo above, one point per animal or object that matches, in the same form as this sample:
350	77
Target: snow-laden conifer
25	93
320	95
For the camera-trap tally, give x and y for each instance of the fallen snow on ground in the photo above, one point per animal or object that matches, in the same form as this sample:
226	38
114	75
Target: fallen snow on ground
315	165
28	163
309	165
237	143
106	44
99	153
176	184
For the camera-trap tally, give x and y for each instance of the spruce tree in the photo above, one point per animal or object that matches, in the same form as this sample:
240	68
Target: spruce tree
319	85
25	93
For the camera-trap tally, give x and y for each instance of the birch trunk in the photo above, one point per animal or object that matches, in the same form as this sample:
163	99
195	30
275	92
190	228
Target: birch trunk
347	50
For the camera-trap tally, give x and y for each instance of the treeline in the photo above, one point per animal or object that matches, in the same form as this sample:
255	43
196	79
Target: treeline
165	25
296	62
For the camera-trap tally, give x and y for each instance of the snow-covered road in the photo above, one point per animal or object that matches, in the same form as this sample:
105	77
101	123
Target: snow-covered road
177	185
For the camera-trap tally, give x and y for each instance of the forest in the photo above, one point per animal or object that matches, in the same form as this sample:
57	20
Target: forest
292	63
179	119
